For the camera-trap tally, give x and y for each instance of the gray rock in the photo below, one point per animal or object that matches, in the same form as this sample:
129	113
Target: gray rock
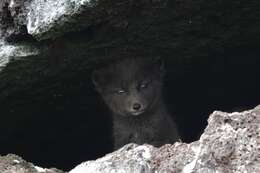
39	18
230	143
13	18
9	52
131	158
44	19
47	19
14	164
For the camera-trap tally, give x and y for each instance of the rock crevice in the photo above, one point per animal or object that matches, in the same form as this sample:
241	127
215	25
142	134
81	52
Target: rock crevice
230	143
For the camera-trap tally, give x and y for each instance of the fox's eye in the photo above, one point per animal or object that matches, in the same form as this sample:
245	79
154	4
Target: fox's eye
144	85
120	92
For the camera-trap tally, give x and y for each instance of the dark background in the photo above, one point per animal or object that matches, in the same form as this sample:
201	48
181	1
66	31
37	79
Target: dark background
51	114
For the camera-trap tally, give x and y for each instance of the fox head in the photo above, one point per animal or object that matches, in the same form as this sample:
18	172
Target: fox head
130	87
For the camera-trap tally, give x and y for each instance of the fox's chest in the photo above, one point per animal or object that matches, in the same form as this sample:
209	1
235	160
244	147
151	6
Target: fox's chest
141	135
134	136
136	132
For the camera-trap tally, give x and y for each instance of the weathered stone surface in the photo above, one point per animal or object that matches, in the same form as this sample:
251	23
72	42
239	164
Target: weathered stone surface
9	52
48	19
42	19
230	143
131	158
14	164
209	48
13	19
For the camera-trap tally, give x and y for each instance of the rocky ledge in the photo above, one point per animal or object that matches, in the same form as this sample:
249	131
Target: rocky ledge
230	143
15	164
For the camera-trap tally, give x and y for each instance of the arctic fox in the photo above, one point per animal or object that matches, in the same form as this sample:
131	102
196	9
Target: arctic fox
132	89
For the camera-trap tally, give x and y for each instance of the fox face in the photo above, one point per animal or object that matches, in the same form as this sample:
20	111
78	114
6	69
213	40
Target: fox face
132	100
131	87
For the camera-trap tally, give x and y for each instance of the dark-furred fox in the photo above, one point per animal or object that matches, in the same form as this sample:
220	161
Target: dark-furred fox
132	89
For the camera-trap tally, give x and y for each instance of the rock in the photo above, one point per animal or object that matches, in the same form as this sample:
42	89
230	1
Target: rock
11	52
14	164
130	158
61	42
13	19
44	19
48	19
230	143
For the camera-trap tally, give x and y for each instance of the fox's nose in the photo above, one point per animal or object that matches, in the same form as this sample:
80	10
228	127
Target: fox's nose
136	106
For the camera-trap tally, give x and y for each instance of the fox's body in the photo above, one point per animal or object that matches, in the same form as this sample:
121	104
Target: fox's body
132	89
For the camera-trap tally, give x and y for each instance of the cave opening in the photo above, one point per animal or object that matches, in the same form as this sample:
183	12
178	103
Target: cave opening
64	121
52	116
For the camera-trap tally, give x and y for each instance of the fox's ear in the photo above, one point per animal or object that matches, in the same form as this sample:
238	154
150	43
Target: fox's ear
159	63
96	80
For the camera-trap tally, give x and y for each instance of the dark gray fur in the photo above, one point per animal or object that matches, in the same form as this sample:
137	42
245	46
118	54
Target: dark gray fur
132	89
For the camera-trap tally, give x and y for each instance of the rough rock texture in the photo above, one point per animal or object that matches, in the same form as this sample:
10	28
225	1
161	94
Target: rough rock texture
230	143
180	31
46	19
14	164
49	48
130	158
14	38
42	19
12	52
13	20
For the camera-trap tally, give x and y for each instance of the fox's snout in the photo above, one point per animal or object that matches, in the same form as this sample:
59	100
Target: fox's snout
137	106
